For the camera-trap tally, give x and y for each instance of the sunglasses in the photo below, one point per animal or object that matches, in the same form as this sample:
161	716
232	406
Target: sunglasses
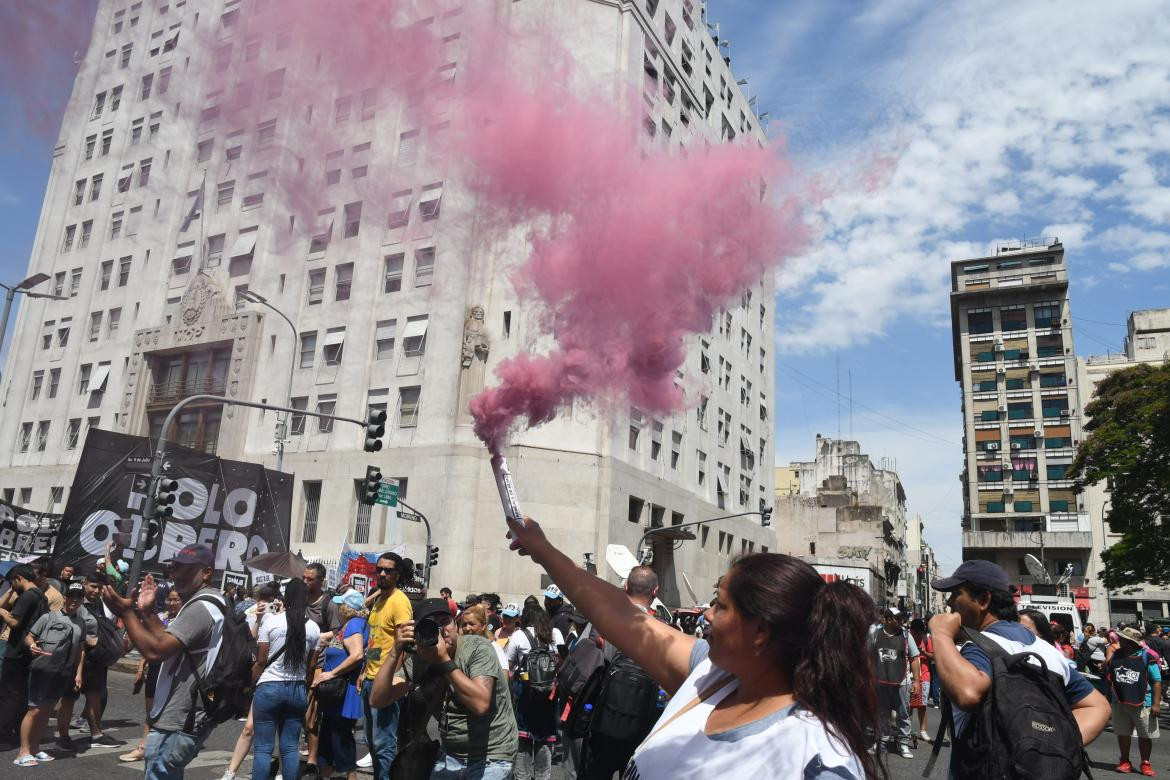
387	570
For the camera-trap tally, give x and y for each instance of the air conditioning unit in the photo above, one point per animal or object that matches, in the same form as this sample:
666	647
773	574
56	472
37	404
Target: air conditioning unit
1016	445
992	446
1003	407
1065	412
1034	366
1038	434
1001	371
999	346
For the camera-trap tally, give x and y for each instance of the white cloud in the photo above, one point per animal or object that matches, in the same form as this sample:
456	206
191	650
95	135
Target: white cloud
1013	116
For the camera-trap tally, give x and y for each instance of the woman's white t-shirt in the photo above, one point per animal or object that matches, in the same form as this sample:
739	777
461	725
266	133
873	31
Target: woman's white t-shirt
273	630
789	743
518	646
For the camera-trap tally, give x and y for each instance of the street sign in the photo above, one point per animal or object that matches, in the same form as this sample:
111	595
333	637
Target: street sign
387	493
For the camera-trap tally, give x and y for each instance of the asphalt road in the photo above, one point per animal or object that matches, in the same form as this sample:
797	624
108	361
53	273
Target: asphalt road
124	721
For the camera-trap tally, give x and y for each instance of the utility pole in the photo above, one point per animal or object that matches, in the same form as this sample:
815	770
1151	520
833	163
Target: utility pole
281	425
25	289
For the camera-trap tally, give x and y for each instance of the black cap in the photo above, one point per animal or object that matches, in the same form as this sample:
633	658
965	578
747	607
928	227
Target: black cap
985	574
198	554
429	607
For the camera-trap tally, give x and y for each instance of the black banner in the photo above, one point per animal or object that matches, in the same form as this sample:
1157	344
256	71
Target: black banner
25	533
239	509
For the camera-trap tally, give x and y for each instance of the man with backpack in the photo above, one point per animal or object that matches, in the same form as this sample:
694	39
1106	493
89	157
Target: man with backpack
29	605
896	661
1018	709
193	654
1136	682
55	641
106	646
619	703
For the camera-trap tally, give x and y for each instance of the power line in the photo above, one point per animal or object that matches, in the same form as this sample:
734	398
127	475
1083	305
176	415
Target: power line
1098	322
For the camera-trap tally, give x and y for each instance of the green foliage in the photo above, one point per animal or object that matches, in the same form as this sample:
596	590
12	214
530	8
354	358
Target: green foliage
1129	445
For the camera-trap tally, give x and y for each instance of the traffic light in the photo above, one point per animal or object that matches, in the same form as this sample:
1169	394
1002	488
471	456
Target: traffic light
153	529
373	480
766	516
375	429
165	496
433	556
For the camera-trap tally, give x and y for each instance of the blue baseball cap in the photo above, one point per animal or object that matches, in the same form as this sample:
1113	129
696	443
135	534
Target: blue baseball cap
510	610
985	574
352	599
553	592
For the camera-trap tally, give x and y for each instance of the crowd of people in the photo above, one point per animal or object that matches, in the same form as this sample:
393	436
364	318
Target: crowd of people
766	683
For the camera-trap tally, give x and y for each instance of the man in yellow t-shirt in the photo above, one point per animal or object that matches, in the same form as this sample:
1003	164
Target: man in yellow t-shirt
389	609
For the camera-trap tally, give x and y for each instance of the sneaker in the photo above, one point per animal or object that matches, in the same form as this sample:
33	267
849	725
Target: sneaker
65	743
79	723
1125	767
365	762
904	752
105	740
1147	770
922	735
43	757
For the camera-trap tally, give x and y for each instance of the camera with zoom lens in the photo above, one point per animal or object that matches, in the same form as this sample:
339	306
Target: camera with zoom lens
426	632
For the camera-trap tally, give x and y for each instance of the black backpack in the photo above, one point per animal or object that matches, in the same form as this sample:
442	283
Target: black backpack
111	643
586	657
1023	728
628	704
537	672
226	689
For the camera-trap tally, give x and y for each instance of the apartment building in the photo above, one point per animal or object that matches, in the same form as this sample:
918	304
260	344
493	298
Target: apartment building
1147	341
161	211
1021	403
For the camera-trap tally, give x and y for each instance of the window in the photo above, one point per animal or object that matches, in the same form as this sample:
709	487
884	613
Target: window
147	83
136	131
90	144
67	241
341	109
655	439
83	379
369	103
274	86
701	412
144	172
316	286
408	398
392	277
116	224
407	146
297	421
1046	315
113	320
124	61
980	322
72	433
59	283
38	381
47	334
384	339
255	191
107	141
353	218
414	338
312	508
63	334
86	232
95	325
95	187
334	346
182	265
42	435
675	449
164	80
133	219
424	266
342	281
25	436
115	98
225	191
124	271
701	460
79	192
252	50
214	251
326	404
99	104
266	133
308	349
1056	471
430	200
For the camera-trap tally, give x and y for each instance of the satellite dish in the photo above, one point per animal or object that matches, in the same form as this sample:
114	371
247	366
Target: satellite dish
690	590
620	559
1037	570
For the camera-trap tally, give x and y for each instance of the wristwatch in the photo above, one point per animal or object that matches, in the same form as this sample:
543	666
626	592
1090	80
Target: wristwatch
448	667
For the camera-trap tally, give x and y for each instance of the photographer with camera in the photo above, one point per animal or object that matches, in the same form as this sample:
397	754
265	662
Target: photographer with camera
460	679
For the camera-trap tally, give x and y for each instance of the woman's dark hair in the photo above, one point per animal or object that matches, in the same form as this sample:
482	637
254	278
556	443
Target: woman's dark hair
818	632
269	591
535	619
919	625
294	610
1002	606
1040	620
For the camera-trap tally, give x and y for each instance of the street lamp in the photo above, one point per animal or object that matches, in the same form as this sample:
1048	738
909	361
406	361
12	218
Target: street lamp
24	288
668	530
282	427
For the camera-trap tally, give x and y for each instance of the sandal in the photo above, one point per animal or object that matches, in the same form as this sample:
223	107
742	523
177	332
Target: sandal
25	761
137	754
43	757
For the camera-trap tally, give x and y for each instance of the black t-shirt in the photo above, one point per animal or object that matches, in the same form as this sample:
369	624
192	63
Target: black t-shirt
563	621
29	606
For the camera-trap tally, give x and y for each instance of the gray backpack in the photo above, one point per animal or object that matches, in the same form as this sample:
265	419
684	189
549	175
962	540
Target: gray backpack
57	637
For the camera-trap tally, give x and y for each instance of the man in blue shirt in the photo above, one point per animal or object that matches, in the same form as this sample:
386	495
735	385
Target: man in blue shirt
1136	682
980	598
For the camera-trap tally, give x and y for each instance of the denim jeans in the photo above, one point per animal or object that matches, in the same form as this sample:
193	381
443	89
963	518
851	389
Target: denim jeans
381	732
451	768
169	752
278	706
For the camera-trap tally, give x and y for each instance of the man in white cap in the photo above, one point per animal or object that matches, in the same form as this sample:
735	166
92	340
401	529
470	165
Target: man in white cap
896	659
1136	682
561	617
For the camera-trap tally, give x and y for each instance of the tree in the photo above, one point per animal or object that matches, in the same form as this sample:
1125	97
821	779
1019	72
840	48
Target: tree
1129	447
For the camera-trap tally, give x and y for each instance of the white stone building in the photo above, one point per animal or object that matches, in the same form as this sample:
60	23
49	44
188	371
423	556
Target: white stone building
382	309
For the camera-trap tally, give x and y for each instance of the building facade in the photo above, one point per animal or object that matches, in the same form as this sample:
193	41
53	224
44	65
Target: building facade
1021	403
1147	341
848	518
160	212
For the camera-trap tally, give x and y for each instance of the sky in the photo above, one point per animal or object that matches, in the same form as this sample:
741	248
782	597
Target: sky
933	130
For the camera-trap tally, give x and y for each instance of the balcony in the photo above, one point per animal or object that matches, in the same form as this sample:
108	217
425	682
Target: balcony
990	540
172	392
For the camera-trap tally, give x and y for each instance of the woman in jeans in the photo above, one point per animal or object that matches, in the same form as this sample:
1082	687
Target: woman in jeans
536	719
286	659
344	655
